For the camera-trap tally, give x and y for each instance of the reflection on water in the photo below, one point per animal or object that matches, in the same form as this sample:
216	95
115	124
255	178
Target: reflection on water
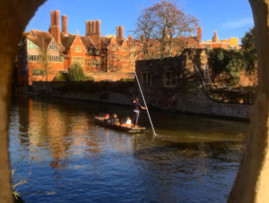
65	157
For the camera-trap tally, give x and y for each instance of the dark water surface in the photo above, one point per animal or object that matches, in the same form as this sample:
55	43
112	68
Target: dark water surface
65	157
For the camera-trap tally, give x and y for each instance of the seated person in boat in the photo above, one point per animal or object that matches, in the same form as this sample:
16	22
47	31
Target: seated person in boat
115	120
106	118
127	123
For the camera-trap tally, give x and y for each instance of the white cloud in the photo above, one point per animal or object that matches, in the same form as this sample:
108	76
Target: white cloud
245	22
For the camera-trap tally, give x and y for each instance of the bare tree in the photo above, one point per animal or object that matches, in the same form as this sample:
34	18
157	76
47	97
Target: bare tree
165	22
144	30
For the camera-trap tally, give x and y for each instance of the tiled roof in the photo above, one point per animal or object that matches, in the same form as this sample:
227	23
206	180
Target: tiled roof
87	41
40	38
105	42
67	40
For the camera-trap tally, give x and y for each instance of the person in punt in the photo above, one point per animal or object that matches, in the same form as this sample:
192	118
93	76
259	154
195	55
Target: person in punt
137	106
115	120
128	122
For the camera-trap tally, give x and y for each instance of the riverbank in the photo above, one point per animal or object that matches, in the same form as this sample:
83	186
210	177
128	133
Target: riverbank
122	92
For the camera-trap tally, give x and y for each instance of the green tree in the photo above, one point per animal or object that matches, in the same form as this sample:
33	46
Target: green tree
228	63
75	73
249	49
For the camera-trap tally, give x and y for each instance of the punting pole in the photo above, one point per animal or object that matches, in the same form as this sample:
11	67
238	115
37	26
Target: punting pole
152	127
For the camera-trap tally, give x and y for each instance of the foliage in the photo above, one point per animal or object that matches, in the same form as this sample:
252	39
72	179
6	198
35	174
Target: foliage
165	22
43	61
228	63
127	80
75	73
16	195
39	72
249	48
248	41
60	77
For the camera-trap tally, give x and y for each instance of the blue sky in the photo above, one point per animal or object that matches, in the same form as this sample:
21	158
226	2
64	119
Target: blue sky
230	18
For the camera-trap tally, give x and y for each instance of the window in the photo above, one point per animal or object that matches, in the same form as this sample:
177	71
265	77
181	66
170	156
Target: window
78	60
77	49
146	78
113	47
33	57
31	45
169	79
53	46
88	62
55	58
96	62
124	48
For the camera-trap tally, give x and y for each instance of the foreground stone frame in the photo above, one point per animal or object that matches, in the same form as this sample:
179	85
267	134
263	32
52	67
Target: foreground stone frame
252	179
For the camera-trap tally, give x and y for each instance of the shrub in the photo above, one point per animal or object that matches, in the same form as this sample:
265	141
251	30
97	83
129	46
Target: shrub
60	77
75	73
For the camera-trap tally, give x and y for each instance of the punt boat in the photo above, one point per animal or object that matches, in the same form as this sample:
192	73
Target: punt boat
130	129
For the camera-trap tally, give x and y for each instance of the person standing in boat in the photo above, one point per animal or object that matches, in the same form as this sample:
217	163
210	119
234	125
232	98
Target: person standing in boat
137	107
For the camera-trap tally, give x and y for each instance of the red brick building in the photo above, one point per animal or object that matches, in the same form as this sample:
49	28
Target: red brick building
42	55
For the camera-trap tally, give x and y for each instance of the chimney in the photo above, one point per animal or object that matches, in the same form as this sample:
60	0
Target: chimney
93	30
98	27
55	25
119	32
90	27
130	40
52	18
93	27
64	24
199	34
87	28
215	37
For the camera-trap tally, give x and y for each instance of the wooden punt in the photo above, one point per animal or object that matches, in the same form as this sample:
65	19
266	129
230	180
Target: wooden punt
100	121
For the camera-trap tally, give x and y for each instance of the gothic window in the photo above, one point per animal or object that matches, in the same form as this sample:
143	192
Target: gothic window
169	79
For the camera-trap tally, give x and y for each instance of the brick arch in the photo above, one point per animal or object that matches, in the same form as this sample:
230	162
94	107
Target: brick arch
253	176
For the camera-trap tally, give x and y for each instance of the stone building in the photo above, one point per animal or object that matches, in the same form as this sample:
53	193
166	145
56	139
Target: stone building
164	80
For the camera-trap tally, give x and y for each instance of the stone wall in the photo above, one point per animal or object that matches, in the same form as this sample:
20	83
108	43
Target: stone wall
201	104
124	92
107	92
111	76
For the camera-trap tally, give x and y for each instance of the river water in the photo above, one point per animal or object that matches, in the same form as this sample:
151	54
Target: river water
64	157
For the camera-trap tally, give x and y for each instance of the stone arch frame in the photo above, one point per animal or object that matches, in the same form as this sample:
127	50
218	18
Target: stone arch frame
253	176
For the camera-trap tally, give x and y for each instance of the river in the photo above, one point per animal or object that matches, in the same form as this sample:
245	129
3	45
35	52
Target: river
64	157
